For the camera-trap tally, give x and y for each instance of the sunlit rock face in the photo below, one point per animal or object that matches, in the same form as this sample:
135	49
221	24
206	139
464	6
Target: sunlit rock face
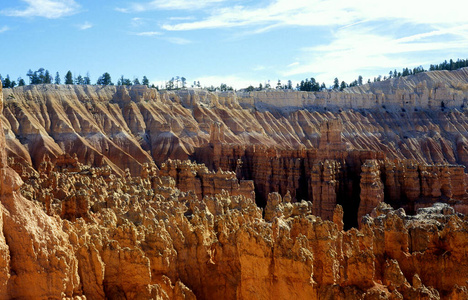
112	192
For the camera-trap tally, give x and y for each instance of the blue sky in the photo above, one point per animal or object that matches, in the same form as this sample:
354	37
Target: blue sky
235	42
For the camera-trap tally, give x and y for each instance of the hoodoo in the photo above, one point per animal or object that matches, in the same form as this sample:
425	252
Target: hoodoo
115	192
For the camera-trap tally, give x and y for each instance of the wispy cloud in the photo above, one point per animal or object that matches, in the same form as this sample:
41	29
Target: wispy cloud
325	13
167	5
85	25
148	33
354	49
137	22
4	29
181	18
258	68
178	41
50	9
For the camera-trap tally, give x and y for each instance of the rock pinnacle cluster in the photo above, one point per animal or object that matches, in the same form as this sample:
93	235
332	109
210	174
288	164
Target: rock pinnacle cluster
115	192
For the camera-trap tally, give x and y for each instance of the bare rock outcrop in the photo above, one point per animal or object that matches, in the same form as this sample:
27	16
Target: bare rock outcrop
372	189
37	258
107	196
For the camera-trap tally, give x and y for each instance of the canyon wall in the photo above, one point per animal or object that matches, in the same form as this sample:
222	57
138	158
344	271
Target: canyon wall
111	192
315	154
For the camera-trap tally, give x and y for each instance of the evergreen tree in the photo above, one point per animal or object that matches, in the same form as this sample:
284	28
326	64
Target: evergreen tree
6	82
79	80
184	81
343	85
40	75
21	81
33	79
47	77
323	86
136	81
105	79
69	78
278	85
290	85
336	83
170	84
145	81
359	80
57	78
86	79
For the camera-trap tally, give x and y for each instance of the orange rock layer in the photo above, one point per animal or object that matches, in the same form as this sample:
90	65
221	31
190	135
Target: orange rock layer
99	200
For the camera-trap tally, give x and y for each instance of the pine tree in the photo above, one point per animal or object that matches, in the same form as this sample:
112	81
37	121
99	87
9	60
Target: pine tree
343	85
69	78
57	78
184	81
145	81
47	78
7	82
278	85
336	83
79	80
33	78
86	79
105	79
21	82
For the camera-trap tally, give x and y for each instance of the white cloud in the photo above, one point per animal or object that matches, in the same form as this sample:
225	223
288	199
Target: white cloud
168	5
181	18
258	68
4	29
361	49
296	63
137	22
327	13
178	41
50	9
148	33
85	25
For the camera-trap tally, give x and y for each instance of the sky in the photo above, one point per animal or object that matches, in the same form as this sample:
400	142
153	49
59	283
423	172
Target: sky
237	42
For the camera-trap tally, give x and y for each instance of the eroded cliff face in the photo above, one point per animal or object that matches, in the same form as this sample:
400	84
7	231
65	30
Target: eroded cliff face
151	236
127	127
99	200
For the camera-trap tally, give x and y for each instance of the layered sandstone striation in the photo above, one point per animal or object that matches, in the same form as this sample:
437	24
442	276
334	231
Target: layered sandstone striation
125	127
131	193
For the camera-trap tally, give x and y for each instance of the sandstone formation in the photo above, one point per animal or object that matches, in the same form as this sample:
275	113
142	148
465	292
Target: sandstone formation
130	193
142	237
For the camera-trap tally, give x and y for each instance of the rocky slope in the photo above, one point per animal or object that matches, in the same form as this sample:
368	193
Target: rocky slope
92	207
